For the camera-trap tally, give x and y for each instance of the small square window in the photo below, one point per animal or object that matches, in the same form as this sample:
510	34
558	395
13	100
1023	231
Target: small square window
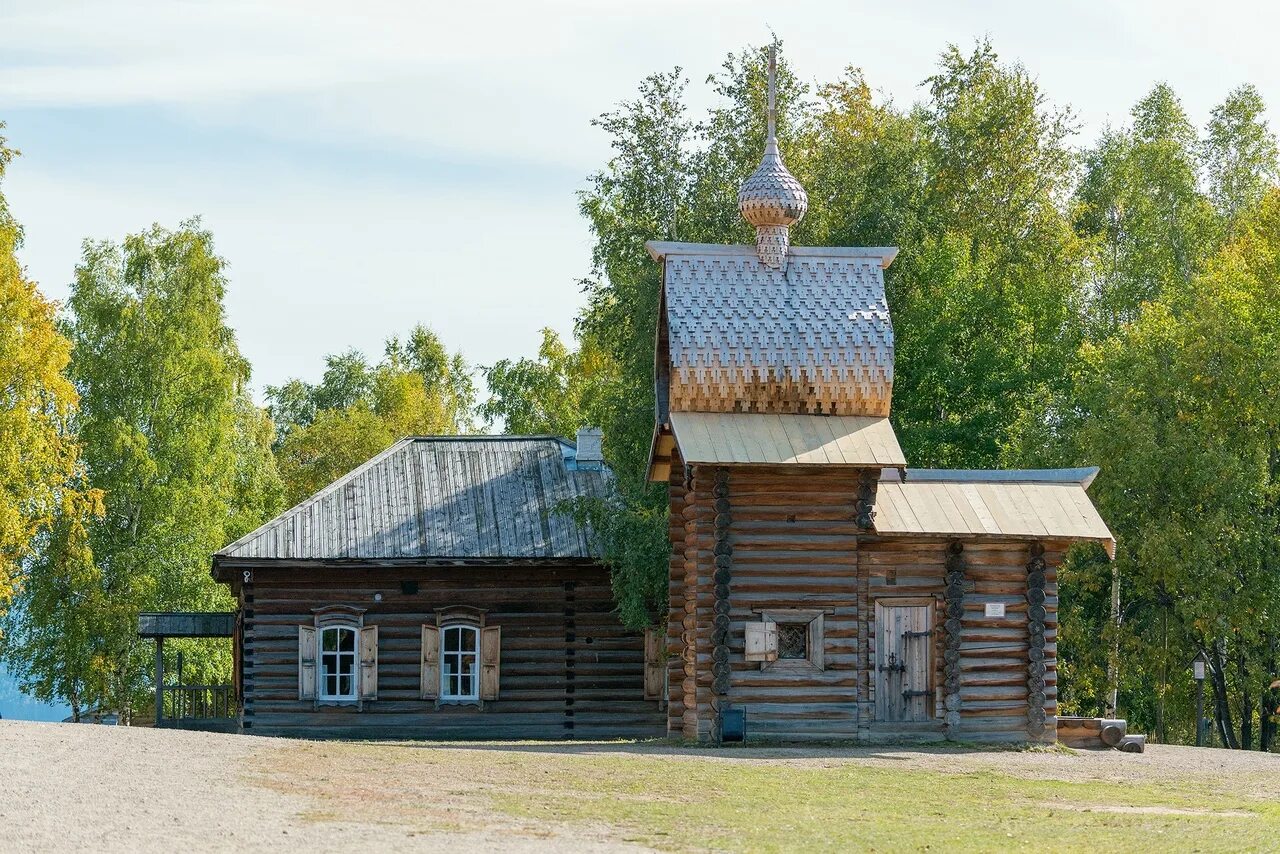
793	641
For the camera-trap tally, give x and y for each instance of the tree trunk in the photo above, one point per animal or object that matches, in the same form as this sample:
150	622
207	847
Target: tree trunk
1266	729
1162	732
1113	657
1246	704
1268	699
1222	708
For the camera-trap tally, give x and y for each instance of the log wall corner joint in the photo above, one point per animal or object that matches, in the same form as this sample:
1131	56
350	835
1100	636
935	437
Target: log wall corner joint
1036	614
721	669
953	598
864	506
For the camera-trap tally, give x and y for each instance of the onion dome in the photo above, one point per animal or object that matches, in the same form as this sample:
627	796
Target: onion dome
771	198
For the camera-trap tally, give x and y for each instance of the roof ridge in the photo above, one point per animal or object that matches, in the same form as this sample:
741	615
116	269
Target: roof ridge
482	437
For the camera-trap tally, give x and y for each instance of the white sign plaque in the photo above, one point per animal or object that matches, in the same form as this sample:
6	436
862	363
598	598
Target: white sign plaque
994	609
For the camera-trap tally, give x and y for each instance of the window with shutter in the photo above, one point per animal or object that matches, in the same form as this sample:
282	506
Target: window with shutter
430	662
340	660
654	671
369	663
306	663
797	640
461	657
761	641
490	661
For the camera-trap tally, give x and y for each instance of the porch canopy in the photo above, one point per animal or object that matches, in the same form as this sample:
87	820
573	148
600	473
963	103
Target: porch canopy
209	624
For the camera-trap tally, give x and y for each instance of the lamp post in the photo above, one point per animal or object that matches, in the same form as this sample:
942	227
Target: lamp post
1197	671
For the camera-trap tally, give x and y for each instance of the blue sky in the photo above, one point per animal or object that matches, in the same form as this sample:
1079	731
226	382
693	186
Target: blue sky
369	166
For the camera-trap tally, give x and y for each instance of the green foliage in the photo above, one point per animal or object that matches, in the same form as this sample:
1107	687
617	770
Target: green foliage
552	394
1140	206
1239	153
38	453
359	410
178	452
1178	407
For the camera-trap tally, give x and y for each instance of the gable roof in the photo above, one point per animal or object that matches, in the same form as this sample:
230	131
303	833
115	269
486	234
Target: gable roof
813	337
452	497
1048	503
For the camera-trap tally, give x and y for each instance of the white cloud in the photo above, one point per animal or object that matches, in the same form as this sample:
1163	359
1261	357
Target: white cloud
333	253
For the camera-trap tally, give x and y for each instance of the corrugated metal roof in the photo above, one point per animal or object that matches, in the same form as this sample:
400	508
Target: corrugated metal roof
995	507
758	438
813	337
466	497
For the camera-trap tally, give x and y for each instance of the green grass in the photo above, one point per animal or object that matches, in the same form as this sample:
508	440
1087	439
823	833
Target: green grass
715	801
762	808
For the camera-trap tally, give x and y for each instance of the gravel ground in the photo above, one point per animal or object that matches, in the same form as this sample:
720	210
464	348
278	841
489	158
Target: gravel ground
76	787
80	787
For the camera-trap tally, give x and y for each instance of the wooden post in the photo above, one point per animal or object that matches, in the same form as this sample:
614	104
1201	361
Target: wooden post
159	679
1200	712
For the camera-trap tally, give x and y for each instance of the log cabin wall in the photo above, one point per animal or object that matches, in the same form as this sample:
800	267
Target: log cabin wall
795	545
568	668
994	663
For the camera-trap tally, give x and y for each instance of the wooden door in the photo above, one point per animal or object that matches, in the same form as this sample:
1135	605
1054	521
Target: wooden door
903	642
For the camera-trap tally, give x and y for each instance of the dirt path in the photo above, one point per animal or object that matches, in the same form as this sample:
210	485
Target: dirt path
107	789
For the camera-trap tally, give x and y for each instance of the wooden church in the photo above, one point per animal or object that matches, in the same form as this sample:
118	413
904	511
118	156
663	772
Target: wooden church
821	588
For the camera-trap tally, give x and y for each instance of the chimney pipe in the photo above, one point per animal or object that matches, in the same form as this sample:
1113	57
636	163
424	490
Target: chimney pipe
590	453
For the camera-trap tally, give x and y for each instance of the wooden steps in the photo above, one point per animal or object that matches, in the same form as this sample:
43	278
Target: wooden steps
1099	734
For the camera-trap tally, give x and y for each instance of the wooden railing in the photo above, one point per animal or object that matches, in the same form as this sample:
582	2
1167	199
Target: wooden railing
198	702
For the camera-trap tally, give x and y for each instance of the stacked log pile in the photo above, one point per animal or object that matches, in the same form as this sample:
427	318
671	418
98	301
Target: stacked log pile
1099	734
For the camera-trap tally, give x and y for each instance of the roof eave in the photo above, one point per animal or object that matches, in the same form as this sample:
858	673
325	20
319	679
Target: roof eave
1082	476
659	249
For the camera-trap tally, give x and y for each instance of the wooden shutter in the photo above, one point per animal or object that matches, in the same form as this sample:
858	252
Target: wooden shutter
761	641
490	659
653	669
369	663
430	662
306	662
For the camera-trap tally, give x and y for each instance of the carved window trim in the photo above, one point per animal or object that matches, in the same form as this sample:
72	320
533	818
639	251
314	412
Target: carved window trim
350	618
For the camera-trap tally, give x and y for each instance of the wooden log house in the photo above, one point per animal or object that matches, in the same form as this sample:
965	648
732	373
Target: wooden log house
437	592
819	587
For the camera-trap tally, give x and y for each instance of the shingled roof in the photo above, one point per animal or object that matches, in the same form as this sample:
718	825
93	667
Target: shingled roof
813	337
448	497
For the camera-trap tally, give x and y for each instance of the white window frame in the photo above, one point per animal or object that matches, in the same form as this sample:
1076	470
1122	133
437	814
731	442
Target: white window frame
322	659
448	658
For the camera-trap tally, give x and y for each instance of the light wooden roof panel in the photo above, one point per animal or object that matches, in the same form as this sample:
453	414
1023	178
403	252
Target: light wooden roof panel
740	438
462	497
1046	509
